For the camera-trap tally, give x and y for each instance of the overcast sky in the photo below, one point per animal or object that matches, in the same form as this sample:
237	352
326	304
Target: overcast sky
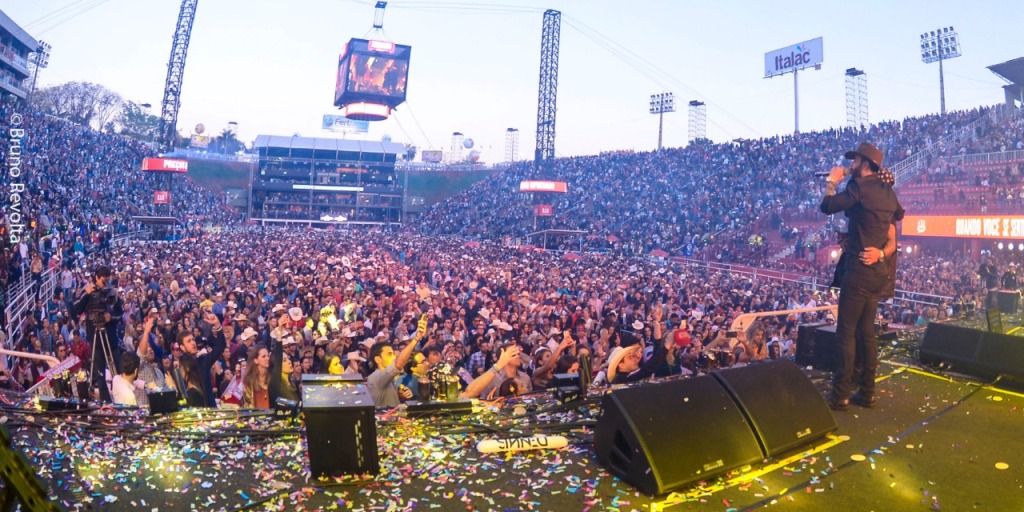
270	65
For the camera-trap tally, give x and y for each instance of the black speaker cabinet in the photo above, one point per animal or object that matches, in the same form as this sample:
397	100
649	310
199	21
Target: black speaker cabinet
664	436
661	437
341	429
805	343
986	355
781	403
951	344
162	401
1007	301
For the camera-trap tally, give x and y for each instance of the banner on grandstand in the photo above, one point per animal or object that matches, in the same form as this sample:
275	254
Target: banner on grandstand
161	197
199	141
793	58
432	156
343	124
543	210
543	186
965	226
164	165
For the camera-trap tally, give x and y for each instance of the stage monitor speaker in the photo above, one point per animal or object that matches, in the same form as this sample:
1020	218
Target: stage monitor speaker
1002	355
825	348
780	402
341	428
660	437
1007	301
951	344
805	343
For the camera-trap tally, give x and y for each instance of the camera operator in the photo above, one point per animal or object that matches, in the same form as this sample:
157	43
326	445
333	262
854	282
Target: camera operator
103	310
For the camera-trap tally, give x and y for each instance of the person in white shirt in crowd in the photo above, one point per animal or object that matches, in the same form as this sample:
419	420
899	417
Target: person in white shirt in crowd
123	385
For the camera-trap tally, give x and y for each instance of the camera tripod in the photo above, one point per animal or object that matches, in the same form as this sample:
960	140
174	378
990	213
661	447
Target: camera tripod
99	337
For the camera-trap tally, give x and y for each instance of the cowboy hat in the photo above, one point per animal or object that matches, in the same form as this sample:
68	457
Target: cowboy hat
867	151
616	357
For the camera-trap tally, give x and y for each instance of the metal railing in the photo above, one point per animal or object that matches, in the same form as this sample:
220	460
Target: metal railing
815	282
908	168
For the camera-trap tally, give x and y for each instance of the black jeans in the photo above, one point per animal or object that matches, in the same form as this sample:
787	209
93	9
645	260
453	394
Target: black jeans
856	340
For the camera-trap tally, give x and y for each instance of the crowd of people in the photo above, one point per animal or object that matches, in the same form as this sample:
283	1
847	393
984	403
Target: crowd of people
82	187
704	197
244	312
234	316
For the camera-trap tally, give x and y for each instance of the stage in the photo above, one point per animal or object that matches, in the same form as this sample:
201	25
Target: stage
932	442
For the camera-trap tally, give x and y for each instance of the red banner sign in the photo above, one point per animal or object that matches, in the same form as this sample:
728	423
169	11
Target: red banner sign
164	165
543	186
965	226
543	210
161	197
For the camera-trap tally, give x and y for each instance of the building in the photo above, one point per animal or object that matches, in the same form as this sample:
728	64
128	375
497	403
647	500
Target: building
320	182
15	47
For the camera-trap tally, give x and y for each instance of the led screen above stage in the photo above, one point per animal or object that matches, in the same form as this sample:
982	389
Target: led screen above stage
372	72
965	226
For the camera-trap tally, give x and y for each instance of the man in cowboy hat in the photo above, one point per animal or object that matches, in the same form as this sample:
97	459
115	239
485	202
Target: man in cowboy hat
872	209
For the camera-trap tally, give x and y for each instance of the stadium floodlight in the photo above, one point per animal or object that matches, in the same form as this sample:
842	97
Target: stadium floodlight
939	45
661	103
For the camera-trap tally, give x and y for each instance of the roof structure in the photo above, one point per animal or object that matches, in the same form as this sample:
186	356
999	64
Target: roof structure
298	142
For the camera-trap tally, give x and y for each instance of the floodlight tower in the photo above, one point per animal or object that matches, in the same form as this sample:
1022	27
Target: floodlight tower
511	145
939	45
661	103
698	126
40	60
856	98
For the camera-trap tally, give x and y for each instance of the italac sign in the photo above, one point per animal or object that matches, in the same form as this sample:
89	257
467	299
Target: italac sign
965	226
793	58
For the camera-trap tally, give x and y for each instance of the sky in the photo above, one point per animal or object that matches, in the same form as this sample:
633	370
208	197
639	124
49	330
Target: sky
270	65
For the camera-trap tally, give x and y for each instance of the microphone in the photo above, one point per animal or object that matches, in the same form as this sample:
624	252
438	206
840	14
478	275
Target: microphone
822	174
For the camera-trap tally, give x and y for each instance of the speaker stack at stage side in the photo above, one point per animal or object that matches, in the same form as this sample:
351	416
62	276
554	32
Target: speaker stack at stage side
341	428
666	436
986	355
782	405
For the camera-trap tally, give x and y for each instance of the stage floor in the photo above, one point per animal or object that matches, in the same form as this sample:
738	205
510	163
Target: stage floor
933	442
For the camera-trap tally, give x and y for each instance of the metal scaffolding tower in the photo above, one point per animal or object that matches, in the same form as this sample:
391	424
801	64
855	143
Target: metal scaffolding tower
547	93
456	155
511	144
175	70
698	127
856	98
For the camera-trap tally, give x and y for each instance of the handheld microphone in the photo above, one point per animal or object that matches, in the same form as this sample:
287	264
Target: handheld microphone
822	174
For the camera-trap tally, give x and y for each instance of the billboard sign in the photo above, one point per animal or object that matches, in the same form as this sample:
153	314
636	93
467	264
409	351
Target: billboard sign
543	210
161	197
432	156
164	165
792	58
343	124
544	186
199	141
995	227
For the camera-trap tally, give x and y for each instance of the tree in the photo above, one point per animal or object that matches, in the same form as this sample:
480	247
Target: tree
84	103
410	152
227	142
134	121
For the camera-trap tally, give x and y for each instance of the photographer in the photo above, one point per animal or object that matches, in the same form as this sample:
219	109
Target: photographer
103	310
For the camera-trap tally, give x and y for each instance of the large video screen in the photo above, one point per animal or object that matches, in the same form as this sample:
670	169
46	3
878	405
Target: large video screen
372	71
